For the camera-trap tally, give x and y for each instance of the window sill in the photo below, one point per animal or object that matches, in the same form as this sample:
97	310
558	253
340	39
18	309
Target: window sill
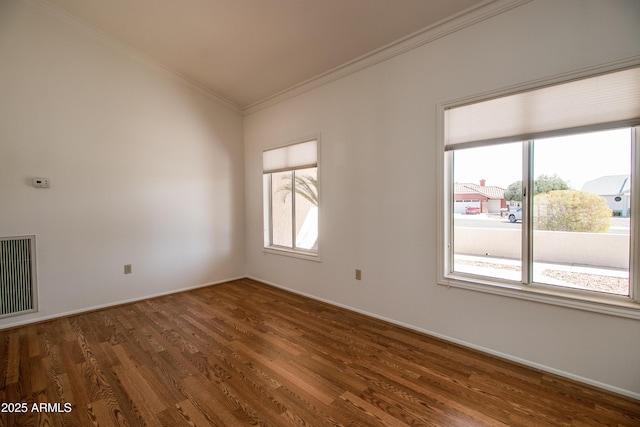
613	305
309	256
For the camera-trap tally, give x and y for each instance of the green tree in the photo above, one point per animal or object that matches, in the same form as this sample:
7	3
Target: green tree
546	183
542	184
571	210
514	192
306	187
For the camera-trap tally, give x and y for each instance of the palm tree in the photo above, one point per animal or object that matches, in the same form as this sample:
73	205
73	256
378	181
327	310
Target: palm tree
305	186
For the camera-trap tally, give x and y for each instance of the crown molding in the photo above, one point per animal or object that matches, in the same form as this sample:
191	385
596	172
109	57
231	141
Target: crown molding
452	24
134	54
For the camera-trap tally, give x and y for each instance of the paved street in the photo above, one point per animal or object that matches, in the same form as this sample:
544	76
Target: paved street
618	225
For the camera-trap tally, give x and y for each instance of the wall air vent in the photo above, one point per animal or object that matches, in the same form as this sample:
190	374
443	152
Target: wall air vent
17	276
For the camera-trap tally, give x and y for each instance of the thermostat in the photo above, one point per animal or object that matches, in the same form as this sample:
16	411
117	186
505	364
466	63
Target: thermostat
41	182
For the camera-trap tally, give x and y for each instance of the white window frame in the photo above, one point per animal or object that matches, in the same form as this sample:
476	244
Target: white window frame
616	305
305	163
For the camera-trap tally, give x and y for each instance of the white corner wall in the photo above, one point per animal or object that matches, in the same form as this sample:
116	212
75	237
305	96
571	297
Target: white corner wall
144	169
378	172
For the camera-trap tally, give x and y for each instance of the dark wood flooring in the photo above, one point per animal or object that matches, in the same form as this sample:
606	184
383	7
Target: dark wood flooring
244	353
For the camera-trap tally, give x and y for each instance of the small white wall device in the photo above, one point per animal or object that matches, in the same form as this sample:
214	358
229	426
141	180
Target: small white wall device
41	182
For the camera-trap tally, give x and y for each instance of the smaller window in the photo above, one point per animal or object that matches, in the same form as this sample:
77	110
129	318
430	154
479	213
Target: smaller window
290	193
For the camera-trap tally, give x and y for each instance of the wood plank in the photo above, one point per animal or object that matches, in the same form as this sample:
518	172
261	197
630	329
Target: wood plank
246	353
13	359
191	415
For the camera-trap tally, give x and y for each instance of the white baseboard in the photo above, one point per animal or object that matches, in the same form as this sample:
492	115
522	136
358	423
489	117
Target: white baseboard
112	304
501	355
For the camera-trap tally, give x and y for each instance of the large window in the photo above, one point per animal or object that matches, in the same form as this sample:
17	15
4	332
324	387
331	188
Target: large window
539	194
290	189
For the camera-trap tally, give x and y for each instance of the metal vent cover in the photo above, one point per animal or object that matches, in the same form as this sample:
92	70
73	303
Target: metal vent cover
17	276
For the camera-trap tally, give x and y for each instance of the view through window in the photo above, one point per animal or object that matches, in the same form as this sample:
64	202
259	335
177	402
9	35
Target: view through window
295	218
579	213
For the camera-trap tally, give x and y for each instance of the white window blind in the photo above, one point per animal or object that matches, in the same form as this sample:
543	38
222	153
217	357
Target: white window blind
609	99
296	156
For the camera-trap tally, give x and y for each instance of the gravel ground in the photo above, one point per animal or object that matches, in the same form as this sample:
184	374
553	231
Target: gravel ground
592	282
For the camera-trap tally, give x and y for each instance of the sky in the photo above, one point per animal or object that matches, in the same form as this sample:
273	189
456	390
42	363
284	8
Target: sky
576	159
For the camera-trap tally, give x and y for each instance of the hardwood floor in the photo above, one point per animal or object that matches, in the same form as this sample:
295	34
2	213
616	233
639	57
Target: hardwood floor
243	353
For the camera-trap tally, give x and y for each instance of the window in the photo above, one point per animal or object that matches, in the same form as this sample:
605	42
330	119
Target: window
290	193
553	170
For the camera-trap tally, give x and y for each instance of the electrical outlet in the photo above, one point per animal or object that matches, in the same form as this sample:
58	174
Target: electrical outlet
41	182
358	274
127	269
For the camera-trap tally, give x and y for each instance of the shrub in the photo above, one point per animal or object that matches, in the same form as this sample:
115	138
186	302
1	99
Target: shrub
571	210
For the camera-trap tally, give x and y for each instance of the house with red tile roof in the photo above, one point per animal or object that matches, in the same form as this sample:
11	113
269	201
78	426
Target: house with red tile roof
489	198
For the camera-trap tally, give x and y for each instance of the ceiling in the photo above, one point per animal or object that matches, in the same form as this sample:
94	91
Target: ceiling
248	50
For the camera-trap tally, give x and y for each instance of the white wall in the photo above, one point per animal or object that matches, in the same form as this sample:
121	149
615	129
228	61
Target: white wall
144	170
608	250
378	173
